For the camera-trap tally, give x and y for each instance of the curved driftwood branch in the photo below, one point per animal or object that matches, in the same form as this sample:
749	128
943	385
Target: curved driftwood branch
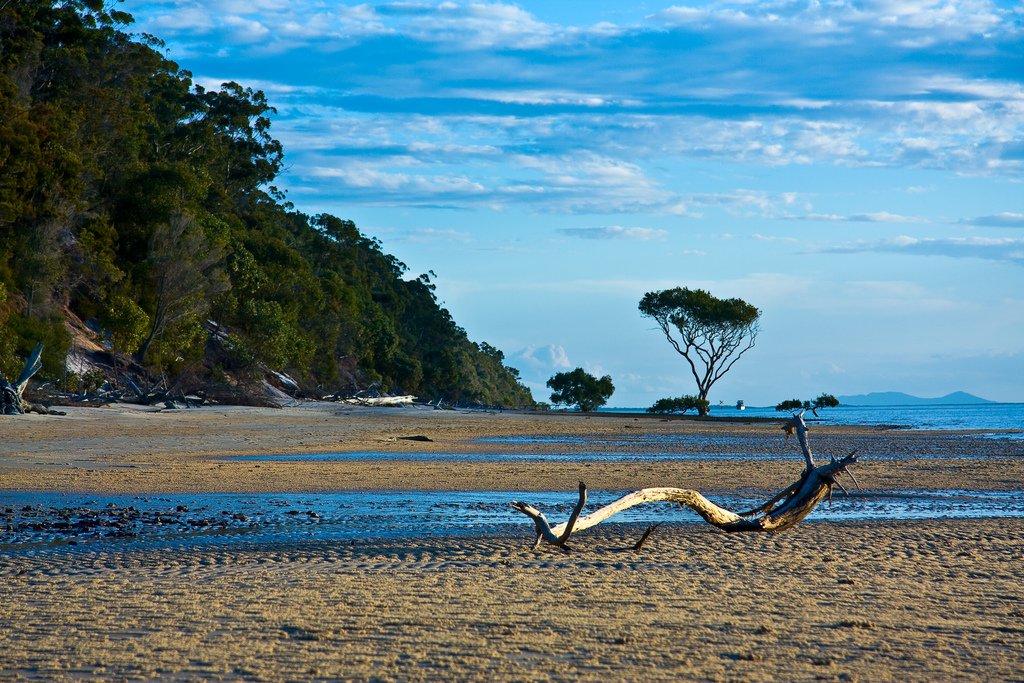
784	510
544	531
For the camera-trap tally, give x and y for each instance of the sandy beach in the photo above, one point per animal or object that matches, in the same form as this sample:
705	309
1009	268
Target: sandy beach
872	601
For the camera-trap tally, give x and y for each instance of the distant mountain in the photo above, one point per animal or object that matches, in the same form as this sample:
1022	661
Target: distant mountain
898	398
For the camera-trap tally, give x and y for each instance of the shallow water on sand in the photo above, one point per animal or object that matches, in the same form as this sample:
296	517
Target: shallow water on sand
32	521
994	416
658	447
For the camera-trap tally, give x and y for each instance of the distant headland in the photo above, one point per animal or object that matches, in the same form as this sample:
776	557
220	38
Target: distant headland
898	398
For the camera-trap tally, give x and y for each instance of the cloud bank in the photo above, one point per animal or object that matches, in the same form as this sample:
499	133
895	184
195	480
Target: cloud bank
491	105
1003	249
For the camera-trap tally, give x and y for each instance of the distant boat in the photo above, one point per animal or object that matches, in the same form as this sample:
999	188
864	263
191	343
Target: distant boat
740	405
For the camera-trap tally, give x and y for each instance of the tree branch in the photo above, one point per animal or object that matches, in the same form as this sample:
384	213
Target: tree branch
783	511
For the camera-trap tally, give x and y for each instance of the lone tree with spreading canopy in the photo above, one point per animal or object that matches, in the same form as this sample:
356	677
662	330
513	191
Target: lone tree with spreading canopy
710	333
580	388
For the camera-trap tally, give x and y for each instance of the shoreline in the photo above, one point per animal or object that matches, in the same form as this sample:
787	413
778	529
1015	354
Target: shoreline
923	600
127	449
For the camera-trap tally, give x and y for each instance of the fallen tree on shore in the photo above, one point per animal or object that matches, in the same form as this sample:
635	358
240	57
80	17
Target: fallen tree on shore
11	401
783	511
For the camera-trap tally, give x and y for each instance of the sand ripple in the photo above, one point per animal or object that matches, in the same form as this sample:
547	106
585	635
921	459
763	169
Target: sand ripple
922	601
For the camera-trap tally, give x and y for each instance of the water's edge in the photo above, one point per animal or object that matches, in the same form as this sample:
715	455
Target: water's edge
30	521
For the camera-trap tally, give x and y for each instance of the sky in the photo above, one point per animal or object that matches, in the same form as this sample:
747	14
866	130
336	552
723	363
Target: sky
855	170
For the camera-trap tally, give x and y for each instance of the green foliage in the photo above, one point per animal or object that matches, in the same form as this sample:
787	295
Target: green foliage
268	331
681	404
127	324
698	309
710	333
579	388
132	195
24	333
88	382
823	401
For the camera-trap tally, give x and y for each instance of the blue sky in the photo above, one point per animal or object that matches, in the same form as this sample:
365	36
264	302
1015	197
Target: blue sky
853	169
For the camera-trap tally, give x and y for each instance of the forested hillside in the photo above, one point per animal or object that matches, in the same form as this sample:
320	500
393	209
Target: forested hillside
134	199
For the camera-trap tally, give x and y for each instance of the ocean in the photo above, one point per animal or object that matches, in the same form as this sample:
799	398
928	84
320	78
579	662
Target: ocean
983	416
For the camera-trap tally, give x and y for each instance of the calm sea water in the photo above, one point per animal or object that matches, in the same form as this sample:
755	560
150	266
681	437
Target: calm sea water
996	416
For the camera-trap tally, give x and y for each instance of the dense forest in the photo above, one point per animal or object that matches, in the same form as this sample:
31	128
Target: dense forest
142	204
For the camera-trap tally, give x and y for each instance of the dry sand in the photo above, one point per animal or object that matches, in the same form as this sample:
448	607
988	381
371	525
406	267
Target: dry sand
927	601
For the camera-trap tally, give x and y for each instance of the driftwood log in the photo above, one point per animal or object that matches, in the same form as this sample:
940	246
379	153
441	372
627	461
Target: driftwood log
11	401
784	510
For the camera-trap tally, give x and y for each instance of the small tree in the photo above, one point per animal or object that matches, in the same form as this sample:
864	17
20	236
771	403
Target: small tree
127	322
681	404
823	401
581	389
712	333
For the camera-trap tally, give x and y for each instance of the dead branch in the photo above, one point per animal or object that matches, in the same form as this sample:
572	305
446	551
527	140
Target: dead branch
781	512
11	400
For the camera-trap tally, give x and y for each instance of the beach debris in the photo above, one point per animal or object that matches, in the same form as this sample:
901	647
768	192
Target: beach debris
12	402
783	511
647	534
372	396
381	401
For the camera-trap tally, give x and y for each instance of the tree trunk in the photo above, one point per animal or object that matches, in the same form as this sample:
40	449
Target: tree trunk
783	511
140	355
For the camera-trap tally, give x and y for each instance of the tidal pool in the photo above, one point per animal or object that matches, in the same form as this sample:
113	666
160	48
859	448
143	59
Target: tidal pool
30	521
591	455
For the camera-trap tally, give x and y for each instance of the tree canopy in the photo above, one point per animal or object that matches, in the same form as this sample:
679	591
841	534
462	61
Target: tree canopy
580	388
710	333
823	401
140	202
680	404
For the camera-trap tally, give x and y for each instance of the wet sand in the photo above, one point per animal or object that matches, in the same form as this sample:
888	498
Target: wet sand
929	600
125	449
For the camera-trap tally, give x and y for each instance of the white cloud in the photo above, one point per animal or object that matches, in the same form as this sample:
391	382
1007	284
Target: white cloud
541	97
509	109
757	237
1008	250
746	202
436	235
616	232
870	217
681	16
194	19
483	25
1005	219
382	182
244	30
544	359
909	23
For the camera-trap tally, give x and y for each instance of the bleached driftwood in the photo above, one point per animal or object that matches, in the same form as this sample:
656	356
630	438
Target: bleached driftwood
783	511
11	400
381	401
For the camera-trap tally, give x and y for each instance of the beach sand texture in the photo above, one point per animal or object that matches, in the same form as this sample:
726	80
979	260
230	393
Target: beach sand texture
926	600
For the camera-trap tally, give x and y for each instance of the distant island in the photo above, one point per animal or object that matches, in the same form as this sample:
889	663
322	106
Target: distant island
898	398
